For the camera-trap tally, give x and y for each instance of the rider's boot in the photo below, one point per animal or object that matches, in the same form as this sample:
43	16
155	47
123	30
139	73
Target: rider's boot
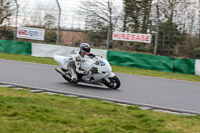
74	77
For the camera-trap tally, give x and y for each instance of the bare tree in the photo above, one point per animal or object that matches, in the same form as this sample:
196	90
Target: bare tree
49	20
6	10
101	17
42	16
175	10
100	11
199	20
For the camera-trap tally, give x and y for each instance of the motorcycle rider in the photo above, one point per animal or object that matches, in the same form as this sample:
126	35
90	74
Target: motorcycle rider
75	60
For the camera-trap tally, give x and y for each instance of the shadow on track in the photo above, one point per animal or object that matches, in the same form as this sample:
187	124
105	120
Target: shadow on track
88	86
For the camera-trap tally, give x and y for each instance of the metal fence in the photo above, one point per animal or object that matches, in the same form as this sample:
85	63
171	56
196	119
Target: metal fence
174	24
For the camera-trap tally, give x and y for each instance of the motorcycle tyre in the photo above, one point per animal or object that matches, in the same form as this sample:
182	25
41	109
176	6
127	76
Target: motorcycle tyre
117	81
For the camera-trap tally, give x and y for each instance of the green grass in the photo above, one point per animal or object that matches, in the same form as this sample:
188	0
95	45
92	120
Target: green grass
26	58
120	69
23	112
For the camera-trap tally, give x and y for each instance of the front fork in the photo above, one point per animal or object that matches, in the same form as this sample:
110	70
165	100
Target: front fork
111	75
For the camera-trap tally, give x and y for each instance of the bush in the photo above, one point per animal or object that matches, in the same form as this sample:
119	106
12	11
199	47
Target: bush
6	33
196	52
50	37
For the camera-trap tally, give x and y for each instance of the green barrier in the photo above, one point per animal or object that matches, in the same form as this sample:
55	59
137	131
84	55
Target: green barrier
186	66
160	63
13	47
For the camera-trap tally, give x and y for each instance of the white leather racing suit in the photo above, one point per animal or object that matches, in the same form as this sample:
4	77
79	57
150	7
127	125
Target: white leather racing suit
74	64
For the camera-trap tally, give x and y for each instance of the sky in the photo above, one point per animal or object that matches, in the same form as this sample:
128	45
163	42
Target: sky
34	8
69	17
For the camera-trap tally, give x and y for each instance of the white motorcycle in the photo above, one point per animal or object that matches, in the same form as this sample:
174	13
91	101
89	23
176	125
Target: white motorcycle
101	71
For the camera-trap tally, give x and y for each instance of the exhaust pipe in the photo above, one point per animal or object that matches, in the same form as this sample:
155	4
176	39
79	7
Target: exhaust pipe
65	76
60	71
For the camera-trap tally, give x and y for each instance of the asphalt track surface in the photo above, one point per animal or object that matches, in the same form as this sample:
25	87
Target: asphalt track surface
167	94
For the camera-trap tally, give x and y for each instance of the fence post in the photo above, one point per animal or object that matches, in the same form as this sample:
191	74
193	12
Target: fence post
157	28
58	29
109	28
17	11
108	36
199	21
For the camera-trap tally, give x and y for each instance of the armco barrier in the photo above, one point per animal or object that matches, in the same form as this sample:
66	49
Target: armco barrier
13	47
160	63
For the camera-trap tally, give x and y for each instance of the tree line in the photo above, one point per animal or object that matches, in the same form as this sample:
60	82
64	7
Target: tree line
178	24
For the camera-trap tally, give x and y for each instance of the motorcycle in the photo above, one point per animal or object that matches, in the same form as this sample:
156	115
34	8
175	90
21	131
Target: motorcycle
101	71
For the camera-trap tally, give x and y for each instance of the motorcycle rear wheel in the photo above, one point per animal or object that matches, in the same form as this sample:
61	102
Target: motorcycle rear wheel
114	82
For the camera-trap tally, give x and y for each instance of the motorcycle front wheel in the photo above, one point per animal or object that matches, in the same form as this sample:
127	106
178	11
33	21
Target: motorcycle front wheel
113	83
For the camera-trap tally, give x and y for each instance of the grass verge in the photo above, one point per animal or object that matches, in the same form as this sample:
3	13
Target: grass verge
120	69
22	112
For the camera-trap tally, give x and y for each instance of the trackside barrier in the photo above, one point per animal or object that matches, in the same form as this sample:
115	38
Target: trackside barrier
47	50
13	47
160	63
197	67
186	66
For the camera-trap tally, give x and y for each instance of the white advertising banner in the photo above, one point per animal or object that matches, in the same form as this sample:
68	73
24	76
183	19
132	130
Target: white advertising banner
134	37
31	33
